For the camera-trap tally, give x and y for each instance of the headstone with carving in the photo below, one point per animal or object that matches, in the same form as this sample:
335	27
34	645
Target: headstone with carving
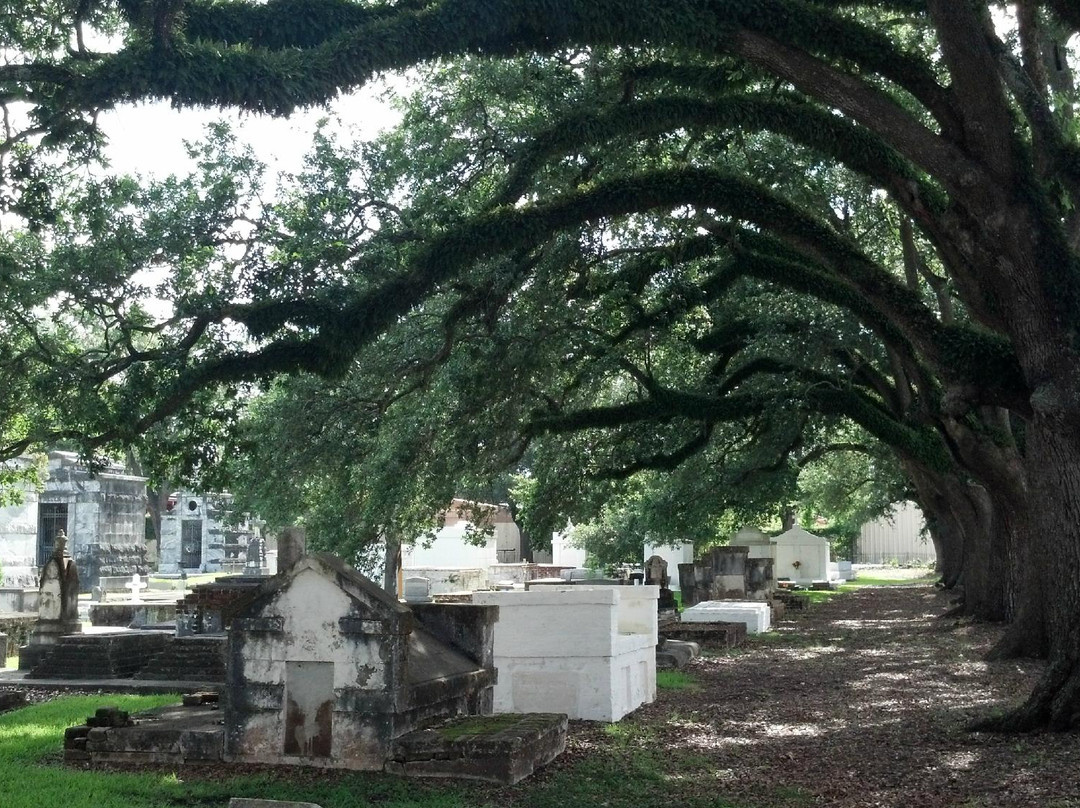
58	604
656	574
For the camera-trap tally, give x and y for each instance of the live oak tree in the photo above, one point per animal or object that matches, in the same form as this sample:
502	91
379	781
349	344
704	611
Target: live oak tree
970	134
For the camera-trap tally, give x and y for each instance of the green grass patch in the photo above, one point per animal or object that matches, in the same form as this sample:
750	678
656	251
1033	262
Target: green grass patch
632	773
37	731
676	680
12	662
821	595
864	580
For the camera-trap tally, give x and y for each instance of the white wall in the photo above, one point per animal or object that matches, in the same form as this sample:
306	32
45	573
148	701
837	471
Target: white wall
563	552
450	550
674	556
895	538
18	542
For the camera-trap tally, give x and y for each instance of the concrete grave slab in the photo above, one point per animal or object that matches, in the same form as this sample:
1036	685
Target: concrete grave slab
756	615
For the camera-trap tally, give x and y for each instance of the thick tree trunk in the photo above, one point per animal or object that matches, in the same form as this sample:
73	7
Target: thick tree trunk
787	517
946	531
1054	471
391	563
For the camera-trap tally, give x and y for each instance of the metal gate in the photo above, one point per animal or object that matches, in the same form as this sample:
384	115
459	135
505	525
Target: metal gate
52	518
191	544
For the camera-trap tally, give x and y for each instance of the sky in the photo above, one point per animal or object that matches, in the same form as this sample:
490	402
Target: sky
148	139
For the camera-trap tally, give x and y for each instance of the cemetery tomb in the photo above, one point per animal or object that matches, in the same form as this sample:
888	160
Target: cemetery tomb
801	557
447	580
718	636
727	573
326	669
656	574
757	616
587	651
759	578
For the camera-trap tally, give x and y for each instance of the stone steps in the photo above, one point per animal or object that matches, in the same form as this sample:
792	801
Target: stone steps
99	656
188	659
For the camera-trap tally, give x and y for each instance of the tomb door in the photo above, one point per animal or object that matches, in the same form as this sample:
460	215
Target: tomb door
309	710
52	518
191	543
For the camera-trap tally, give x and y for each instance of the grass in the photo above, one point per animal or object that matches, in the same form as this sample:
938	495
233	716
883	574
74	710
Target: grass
676	680
478	725
12	662
817	596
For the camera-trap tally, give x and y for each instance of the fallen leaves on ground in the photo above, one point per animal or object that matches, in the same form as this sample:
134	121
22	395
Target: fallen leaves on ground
862	700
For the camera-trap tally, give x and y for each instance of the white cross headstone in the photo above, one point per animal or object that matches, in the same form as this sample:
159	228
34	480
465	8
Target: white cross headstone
136	586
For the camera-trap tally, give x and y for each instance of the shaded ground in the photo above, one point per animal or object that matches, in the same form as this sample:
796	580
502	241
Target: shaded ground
862	701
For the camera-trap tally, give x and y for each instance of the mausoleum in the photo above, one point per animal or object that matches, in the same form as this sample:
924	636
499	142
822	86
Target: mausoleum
326	669
801	556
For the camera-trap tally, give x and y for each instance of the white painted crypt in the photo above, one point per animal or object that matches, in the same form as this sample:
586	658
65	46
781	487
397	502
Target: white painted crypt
587	651
801	556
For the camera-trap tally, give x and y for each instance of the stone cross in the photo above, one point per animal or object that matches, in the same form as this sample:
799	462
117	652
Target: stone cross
136	585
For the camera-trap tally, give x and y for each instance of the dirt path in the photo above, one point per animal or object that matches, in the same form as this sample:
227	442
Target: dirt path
863	701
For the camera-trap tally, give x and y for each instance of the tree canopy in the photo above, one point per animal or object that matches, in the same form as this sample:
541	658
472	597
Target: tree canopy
636	236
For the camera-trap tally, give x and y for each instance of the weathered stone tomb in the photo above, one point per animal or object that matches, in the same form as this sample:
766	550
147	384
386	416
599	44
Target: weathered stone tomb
727	572
326	669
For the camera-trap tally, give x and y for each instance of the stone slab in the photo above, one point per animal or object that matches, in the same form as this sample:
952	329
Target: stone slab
500	749
169	735
12	700
756	615
709	635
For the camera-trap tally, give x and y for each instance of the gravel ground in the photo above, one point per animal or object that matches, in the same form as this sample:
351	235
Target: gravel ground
863	700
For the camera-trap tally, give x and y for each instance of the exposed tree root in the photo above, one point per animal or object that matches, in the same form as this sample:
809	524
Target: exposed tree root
959	610
1020	641
1054	705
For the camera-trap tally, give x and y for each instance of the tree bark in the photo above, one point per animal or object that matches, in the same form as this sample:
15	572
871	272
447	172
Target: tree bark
1054	470
391	563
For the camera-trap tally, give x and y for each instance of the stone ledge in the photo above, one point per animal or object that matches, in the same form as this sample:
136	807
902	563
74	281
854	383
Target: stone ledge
503	748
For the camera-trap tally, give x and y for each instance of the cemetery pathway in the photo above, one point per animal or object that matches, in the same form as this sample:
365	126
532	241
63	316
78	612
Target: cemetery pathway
863	700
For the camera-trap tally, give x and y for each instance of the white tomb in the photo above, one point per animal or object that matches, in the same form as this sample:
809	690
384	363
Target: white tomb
756	615
449	580
801	556
587	651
